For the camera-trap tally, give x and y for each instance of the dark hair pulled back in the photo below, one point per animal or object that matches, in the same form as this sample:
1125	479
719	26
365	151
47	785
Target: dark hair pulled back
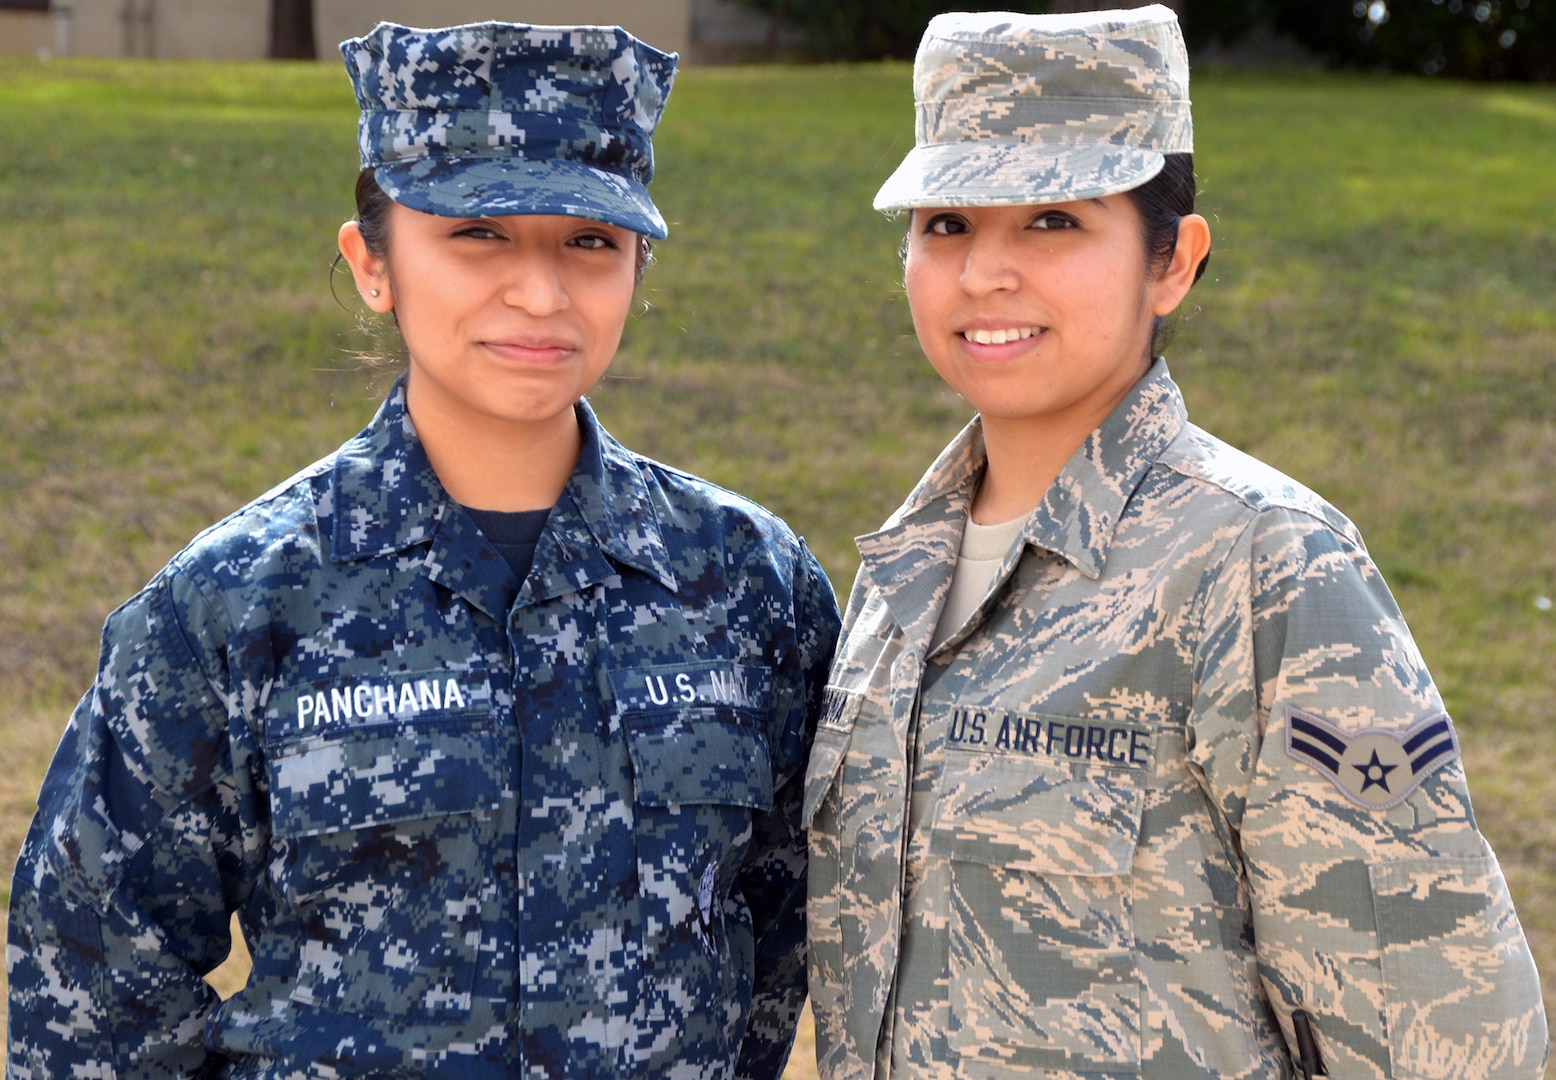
1162	202
373	213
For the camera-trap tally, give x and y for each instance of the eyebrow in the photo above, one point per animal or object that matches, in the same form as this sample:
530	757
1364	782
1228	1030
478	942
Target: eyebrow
1095	200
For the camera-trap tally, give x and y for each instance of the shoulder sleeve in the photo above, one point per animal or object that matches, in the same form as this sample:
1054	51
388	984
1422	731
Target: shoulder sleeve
126	881
773	878
1378	907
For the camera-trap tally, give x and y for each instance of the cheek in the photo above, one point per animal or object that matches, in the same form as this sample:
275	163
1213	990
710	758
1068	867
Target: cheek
1118	293
426	319
926	297
609	304
429	297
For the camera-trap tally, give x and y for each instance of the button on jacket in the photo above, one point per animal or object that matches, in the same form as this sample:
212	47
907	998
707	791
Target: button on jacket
472	826
1181	775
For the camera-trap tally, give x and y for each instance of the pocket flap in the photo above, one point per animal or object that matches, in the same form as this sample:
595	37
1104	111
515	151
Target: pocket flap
699	755
826	756
378	774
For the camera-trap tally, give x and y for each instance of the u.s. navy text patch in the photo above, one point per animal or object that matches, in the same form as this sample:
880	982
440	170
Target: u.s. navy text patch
1374	769
678	686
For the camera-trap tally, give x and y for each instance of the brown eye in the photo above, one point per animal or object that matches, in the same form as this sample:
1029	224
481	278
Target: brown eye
1054	220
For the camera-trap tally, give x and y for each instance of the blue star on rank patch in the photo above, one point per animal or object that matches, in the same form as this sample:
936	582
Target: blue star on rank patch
1374	769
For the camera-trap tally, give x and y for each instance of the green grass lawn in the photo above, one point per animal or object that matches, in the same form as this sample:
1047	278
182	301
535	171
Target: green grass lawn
1377	320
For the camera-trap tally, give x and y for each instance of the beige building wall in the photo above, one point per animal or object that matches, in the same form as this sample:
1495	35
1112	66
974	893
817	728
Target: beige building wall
214	29
26	32
239	29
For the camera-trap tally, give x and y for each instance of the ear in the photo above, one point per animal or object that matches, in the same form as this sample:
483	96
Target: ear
1169	289
367	270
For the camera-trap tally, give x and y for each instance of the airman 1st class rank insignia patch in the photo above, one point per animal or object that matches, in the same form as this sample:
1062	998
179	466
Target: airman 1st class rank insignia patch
1375	769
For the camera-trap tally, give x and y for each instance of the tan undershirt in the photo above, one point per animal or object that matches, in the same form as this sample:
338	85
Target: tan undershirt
983	550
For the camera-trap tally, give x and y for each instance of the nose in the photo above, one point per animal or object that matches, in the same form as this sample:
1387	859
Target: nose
534	283
990	266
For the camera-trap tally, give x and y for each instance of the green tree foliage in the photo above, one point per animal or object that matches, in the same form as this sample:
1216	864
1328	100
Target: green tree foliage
1222	22
1469	39
865	29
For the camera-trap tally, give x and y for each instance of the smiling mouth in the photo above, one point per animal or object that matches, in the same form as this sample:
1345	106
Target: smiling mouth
1000	337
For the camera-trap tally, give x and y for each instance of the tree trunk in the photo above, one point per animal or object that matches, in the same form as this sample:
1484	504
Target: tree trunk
291	30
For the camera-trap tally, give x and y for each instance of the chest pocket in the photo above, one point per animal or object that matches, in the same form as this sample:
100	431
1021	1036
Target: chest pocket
701	769
378	822
696	734
1042	935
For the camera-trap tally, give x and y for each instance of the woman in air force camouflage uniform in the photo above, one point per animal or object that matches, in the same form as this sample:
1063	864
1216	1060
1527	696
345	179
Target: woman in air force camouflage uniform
1129	765
490	731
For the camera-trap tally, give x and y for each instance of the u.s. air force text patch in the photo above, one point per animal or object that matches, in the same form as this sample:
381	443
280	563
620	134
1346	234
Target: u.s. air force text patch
1374	769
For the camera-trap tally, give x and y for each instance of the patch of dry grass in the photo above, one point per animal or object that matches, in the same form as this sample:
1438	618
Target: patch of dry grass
1377	321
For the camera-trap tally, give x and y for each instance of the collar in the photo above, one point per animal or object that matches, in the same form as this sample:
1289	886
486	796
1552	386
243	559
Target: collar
1077	517
387	499
912	556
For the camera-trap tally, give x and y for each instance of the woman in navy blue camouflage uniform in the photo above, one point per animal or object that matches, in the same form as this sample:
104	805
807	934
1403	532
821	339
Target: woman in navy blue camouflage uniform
488	730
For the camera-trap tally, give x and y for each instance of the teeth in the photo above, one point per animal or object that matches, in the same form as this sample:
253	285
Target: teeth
1000	337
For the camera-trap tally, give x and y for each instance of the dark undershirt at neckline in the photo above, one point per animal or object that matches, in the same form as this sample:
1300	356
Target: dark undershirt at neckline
514	533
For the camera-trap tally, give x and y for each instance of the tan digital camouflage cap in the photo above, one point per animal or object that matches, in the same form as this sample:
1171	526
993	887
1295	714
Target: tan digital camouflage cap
508	118
1016	109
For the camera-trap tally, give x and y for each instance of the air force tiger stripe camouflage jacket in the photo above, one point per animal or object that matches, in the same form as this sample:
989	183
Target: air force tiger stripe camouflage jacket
1182	775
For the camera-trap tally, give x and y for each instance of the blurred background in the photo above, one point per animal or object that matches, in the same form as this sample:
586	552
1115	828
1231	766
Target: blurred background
1377	319
1474	39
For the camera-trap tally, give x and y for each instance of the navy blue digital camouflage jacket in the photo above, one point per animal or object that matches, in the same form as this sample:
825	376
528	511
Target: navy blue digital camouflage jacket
471	826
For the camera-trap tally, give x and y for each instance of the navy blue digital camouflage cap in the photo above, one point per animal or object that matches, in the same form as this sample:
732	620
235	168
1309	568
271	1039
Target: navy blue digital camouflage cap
497	118
1017	109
